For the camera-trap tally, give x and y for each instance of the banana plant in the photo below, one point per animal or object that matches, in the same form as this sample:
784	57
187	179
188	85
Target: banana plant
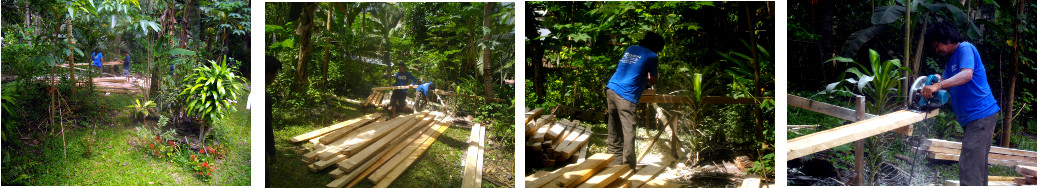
878	81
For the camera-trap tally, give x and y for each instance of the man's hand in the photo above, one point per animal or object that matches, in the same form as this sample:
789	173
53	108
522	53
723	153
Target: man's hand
927	91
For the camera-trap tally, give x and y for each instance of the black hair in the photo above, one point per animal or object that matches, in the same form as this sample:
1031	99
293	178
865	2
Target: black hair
943	32
653	41
272	64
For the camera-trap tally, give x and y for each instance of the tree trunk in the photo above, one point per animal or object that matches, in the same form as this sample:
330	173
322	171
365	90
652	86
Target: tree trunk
757	112
1006	126
304	30
486	78
907	57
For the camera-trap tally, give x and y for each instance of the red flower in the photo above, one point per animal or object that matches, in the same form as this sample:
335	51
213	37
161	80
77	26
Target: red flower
199	173
151	145
158	138
205	163
170	142
201	151
199	165
193	157
208	174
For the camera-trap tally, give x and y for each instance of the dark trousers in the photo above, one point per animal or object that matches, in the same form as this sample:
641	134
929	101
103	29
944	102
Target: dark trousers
621	129
974	149
398	100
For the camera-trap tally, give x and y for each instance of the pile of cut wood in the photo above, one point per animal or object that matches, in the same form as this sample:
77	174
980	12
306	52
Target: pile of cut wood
596	172
949	150
376	99
1029	175
554	141
371	148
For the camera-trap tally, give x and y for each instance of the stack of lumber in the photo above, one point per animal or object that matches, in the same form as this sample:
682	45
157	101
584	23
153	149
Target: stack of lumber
376	99
554	140
474	157
1029	175
991	181
596	172
949	150
371	148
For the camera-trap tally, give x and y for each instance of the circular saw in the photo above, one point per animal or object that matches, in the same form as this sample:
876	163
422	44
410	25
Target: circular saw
926	104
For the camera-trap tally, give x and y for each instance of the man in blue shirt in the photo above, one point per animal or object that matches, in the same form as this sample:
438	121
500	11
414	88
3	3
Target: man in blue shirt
973	104
126	63
97	60
423	93
638	67
399	96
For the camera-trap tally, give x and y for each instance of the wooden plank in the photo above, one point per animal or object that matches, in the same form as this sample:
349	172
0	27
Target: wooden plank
395	172
1026	170
825	108
827	139
993	149
990	155
540	122
555	130
989	183
360	139
622	181
1031	180
371	165
647	173
541	133
329	150
583	171
606	177
482	156
532	115
381	143
569	138
568	130
545	179
472	157
379	146
1001	178
350	124
570	149
536	175
952	157
394	87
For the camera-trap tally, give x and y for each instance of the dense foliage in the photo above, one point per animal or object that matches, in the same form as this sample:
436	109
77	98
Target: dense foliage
712	49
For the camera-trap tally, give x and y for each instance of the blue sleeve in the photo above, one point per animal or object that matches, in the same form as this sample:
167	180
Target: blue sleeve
967	59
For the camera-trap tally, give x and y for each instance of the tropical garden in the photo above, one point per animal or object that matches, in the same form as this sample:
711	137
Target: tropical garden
332	54
712	50
177	116
838	50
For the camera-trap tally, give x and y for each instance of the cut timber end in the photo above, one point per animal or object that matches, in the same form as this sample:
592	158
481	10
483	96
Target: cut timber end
582	172
606	177
827	139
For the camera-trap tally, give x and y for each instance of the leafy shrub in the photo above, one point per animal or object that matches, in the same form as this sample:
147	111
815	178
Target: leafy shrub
141	110
211	92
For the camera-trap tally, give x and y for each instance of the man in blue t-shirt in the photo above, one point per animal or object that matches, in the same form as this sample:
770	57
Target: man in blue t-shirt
399	96
973	104
423	94
126	63
97	60
638	67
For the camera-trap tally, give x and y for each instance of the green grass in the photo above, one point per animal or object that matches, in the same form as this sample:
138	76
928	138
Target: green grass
114	162
439	166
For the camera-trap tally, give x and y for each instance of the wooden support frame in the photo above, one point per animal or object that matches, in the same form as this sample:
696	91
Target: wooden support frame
827	139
